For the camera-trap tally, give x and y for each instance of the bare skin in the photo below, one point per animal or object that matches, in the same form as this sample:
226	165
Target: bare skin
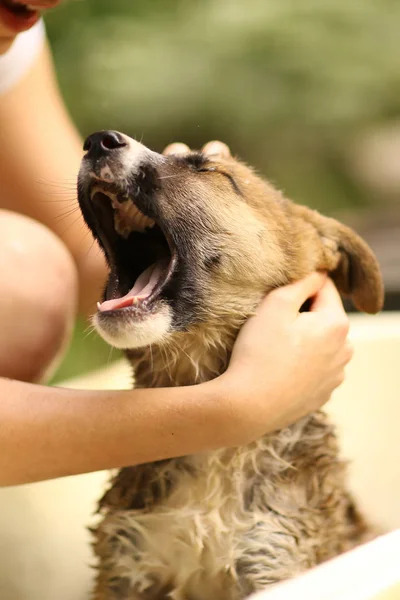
50	432
38	303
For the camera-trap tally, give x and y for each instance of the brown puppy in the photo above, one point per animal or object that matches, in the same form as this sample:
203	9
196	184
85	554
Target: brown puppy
194	240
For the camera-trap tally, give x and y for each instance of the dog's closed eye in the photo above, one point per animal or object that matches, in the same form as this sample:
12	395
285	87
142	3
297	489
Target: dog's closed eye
200	162
225	174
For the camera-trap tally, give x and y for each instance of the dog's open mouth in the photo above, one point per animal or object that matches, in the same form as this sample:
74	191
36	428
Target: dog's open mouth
140	252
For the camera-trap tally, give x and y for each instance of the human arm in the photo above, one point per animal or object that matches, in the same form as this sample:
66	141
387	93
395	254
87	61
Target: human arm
40	153
52	432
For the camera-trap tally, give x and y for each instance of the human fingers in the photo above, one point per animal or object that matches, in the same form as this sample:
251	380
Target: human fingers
276	313
328	299
287	300
328	306
217	148
176	149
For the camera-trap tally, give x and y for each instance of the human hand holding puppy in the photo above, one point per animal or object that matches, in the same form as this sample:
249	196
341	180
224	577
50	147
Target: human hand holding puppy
287	363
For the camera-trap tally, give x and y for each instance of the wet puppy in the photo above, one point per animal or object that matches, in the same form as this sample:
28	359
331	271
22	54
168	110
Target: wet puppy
194	240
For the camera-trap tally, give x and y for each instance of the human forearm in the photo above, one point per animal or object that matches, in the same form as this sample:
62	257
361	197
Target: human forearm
52	432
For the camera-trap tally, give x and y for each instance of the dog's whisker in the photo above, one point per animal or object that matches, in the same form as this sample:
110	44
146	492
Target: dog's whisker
170	176
89	331
79	218
110	355
151	357
68	213
68	199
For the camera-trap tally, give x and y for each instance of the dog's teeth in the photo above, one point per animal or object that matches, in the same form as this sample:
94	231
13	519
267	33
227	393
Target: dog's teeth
129	218
98	306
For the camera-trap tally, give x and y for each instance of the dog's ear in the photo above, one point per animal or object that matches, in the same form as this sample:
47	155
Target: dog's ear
350	261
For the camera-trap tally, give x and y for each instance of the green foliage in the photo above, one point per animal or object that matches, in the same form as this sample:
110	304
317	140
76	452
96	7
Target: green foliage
86	352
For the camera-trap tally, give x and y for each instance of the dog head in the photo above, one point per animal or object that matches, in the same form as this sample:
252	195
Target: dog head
198	237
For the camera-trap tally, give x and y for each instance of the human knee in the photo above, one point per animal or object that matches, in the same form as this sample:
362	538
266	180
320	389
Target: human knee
37	308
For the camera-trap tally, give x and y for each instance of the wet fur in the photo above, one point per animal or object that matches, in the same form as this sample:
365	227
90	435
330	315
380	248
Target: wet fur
224	524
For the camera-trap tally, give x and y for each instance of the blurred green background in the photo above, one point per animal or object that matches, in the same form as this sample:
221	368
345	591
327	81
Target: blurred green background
307	91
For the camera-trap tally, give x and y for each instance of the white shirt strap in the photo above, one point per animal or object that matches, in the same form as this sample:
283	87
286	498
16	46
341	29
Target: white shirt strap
19	58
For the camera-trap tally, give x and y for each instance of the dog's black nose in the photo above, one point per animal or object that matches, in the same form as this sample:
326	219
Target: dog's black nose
103	142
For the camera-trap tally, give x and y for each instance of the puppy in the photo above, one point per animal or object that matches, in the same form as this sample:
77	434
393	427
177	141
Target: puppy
194	240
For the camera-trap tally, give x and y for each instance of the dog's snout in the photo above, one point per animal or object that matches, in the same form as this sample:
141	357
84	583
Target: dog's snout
103	142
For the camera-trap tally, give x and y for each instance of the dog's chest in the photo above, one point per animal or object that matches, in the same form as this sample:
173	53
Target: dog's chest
184	534
196	526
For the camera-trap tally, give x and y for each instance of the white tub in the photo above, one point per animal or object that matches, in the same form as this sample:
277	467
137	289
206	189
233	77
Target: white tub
44	547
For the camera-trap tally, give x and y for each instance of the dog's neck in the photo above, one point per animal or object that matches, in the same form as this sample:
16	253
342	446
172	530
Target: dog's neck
186	359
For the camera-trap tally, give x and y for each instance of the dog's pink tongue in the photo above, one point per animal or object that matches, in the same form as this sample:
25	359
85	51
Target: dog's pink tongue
143	287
